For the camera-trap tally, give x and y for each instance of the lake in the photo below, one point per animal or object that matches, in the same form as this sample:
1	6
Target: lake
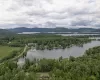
65	33
79	34
75	51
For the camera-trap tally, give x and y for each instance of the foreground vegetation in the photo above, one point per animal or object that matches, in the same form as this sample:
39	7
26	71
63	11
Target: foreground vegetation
86	67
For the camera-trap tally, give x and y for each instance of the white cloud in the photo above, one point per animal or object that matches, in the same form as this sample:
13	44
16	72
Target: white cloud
68	13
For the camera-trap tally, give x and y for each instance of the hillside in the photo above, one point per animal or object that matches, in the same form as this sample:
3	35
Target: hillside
4	32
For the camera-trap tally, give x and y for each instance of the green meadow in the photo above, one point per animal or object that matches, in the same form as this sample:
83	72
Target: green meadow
6	50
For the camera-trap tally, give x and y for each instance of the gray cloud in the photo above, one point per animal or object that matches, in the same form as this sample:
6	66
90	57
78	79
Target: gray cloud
44	13
81	23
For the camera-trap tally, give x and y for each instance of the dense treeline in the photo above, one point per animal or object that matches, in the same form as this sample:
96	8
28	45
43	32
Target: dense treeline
46	41
86	67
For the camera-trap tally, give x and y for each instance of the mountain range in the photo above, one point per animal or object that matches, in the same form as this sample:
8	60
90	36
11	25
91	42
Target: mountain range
42	30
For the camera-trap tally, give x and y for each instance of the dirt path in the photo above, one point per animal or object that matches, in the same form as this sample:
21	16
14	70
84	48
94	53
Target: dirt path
25	48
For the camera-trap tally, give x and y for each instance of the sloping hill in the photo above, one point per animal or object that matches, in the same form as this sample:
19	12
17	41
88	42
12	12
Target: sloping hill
4	32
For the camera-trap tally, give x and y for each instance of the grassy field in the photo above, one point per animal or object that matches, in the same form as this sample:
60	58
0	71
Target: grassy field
6	50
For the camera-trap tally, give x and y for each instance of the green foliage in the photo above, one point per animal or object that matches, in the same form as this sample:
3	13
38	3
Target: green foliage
43	41
86	67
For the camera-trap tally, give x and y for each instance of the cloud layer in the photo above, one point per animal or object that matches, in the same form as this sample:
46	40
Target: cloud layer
49	13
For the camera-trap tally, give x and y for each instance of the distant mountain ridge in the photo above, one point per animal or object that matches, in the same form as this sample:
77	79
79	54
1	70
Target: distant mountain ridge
24	29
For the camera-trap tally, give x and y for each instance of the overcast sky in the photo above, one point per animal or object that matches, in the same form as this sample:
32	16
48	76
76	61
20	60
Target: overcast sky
49	13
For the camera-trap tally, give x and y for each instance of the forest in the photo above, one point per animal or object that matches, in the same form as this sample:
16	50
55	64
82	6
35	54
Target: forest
44	41
86	67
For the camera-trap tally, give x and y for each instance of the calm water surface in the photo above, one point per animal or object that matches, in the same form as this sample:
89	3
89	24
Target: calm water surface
75	51
77	34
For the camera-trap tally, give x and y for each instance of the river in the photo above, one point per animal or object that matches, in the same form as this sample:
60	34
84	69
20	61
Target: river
75	51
